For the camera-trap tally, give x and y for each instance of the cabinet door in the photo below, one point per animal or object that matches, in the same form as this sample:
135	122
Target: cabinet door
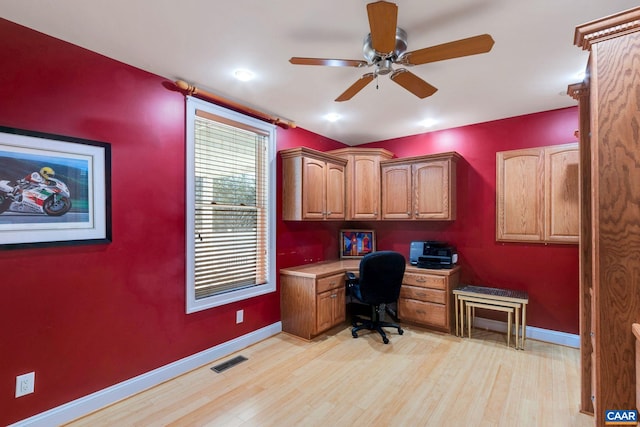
396	192
520	195
334	193
562	204
330	309
324	310
313	188
431	189
365	197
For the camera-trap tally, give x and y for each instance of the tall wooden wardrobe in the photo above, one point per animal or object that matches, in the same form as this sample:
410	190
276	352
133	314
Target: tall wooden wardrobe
609	100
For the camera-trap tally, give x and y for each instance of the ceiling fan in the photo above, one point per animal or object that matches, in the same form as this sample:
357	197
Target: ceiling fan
386	45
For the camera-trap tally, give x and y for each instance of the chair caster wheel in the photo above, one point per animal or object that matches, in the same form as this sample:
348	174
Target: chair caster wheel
354	334
401	331
385	340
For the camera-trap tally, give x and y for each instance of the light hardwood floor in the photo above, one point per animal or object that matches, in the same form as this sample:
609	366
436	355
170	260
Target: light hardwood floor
421	378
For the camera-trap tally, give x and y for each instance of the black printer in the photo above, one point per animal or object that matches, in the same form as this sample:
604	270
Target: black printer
432	254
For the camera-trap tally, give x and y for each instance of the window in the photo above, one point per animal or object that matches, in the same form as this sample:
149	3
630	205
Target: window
230	206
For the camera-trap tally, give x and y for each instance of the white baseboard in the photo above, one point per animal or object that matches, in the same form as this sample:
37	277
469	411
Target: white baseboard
546	335
87	404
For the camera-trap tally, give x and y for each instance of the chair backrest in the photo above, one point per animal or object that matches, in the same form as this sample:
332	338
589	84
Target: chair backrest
381	277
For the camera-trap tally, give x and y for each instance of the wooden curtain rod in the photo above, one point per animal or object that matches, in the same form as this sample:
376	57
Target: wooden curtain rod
208	96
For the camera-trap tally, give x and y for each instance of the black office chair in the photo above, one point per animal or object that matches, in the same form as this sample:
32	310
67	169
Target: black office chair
379	285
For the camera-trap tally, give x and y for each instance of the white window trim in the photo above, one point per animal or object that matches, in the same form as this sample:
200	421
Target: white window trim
194	305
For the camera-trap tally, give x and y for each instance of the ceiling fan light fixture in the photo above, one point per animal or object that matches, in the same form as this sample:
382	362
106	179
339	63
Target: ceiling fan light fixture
383	67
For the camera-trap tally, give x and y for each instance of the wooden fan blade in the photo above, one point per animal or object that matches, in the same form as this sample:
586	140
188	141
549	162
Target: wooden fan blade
456	49
383	17
328	62
413	83
355	88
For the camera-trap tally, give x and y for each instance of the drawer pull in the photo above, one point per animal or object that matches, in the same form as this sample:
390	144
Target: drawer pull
332	283
421	294
334	295
421	280
420	312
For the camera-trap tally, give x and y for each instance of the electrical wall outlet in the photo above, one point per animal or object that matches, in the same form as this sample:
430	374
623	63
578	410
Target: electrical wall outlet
239	316
25	384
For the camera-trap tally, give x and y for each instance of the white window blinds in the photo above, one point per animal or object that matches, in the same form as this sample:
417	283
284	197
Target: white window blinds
228	212
230	204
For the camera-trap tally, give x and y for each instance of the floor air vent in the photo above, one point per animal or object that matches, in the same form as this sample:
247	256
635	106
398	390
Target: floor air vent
228	364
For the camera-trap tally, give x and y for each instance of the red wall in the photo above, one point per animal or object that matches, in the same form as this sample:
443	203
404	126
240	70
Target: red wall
549	273
88	317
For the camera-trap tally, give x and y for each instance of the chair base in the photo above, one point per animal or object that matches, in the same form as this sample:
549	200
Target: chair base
375	323
359	323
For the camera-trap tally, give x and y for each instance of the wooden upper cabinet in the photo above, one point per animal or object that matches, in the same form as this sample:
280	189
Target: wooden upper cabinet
562	205
366	184
537	194
335	191
520	195
420	188
432	190
397	191
313	186
363	181
314	194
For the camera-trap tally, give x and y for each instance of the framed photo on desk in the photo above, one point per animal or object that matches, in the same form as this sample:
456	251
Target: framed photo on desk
357	243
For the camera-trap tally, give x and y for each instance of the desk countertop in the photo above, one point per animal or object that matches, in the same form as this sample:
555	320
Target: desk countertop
327	268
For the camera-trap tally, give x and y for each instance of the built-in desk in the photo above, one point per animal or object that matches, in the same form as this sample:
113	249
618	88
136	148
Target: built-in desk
312	296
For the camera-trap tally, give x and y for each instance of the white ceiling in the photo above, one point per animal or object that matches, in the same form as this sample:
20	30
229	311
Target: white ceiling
203	42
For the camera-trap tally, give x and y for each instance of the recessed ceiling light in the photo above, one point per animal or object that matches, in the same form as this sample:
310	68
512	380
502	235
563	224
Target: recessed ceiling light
428	123
332	117
243	75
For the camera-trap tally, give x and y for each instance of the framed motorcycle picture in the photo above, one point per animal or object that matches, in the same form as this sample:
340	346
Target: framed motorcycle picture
54	190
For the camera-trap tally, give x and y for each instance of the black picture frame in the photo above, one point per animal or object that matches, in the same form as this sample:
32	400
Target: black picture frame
72	207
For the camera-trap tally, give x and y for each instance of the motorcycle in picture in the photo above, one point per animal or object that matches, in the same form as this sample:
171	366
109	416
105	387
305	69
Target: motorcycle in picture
51	198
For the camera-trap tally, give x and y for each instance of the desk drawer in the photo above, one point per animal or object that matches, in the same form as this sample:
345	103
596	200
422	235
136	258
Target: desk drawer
422	312
424	281
423	294
330	282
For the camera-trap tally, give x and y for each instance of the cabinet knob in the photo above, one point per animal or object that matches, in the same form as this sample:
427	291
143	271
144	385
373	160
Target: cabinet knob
334	295
408	213
329	213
